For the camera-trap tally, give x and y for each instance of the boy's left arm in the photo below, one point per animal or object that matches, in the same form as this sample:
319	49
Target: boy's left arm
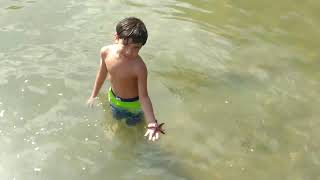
147	105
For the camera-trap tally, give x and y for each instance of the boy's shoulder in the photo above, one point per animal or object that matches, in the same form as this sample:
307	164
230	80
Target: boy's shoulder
105	49
140	65
140	61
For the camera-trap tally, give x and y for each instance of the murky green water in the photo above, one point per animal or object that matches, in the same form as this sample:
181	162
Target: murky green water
236	82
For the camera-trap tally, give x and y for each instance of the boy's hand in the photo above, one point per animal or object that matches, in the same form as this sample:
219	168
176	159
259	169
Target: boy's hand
153	130
91	101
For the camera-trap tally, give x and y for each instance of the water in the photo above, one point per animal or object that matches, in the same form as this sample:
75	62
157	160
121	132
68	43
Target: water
236	82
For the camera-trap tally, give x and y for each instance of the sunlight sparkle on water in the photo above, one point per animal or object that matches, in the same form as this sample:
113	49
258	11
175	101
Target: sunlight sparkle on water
37	169
2	113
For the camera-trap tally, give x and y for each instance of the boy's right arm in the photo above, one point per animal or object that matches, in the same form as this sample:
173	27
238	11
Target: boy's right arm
100	77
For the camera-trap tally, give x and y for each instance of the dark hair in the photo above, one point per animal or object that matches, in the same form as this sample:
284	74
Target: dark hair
132	28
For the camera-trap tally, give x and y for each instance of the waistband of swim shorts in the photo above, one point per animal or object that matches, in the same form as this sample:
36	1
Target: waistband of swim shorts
131	104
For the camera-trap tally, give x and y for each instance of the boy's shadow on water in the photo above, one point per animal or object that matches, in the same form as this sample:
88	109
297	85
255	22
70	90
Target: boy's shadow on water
146	157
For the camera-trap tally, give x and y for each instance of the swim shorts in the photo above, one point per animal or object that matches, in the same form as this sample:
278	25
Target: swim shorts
128	109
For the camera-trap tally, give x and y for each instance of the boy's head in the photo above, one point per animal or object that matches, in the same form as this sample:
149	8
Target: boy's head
132	30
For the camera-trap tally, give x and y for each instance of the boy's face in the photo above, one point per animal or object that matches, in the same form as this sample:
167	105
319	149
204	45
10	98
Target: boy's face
129	48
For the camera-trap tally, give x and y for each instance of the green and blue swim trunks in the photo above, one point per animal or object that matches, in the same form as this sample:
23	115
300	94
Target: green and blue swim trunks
128	109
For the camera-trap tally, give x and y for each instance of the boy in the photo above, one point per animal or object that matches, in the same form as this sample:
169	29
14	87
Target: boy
124	68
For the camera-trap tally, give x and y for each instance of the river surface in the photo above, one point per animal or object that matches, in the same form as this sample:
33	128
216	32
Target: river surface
236	82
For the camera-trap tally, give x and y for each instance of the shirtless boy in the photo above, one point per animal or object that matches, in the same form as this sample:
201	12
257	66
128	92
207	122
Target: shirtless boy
121	64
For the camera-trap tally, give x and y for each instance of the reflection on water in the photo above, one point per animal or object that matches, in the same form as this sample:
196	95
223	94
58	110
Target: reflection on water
14	7
236	83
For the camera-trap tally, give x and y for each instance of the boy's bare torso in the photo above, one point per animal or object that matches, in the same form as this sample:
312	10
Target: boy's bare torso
122	72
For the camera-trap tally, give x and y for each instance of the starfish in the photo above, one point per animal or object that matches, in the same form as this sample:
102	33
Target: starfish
156	129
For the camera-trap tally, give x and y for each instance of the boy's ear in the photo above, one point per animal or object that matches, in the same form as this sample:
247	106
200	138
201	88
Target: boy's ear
116	37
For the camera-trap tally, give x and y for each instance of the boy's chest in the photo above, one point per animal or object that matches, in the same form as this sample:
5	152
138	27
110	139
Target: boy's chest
119	69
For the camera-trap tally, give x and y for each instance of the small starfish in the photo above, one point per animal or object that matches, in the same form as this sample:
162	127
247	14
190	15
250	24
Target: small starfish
156	129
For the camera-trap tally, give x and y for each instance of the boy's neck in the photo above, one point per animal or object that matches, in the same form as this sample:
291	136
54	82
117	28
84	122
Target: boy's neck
120	52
